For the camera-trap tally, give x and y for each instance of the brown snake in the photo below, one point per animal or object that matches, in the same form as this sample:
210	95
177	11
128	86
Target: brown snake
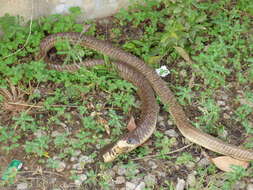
160	87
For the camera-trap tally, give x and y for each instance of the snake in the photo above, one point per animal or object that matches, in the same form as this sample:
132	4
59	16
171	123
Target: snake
161	88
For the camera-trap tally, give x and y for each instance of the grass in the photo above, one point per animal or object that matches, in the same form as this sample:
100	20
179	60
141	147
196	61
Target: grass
86	105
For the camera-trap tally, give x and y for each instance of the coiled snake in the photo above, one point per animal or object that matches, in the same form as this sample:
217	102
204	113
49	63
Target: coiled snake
135	138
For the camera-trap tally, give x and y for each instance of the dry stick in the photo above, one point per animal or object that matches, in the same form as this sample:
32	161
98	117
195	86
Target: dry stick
172	152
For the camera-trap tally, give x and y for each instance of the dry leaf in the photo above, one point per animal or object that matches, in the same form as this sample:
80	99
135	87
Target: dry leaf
224	163
131	124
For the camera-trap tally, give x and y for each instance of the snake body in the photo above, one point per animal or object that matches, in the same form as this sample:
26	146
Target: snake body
150	109
160	87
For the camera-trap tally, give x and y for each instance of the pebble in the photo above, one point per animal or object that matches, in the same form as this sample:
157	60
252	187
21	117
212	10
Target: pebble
250	186
150	180
120	180
162	124
183	73
78	166
56	133
225	108
160	118
161	174
81	179
204	162
61	166
52	180
191	180
171	133
136	180
22	186
39	133
221	103
180	184
240	185
130	186
141	186
169	122
121	171
85	159
152	164
111	173
224	134
73	158
190	165
226	116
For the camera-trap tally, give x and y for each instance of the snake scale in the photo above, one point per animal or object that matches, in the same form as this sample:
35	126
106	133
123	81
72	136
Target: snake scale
129	141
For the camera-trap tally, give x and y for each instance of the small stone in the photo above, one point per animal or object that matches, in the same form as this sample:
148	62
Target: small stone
152	164
121	171
171	133
115	168
191	180
52	180
239	185
120	180
136	180
141	186
39	133
204	162
190	165
78	166
180	184
130	186
111	173
77	153
224	134
160	173
250	186
162	124
226	116
169	122
56	133
221	103
183	73
160	118
73	158
22	186
150	180
61	166
85	160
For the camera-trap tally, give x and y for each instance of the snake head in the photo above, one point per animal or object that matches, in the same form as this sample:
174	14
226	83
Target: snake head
124	145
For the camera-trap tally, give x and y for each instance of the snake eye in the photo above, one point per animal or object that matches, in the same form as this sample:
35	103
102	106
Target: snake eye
131	141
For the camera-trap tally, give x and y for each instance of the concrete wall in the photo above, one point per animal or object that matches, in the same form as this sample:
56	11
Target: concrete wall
36	8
